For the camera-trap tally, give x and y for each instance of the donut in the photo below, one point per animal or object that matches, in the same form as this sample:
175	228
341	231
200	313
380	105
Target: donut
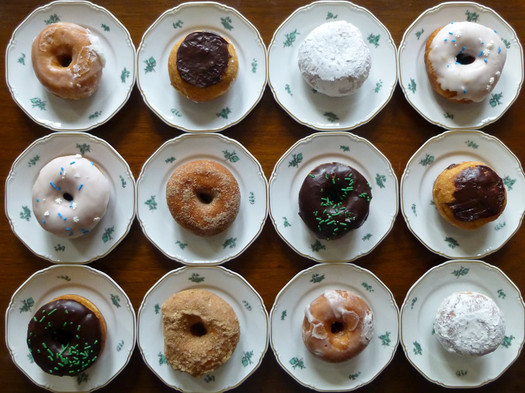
469	195
67	60
337	325
469	324
202	66
66	335
333	200
203	197
334	59
201	331
464	61
70	196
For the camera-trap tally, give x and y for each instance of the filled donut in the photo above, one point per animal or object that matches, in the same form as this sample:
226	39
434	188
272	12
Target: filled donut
67	60
203	197
337	325
334	59
201	331
202	66
464	61
66	336
70	196
469	195
333	200
469	324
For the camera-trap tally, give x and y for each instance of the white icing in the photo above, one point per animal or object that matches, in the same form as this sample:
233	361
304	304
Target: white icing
470	81
78	177
469	324
334	59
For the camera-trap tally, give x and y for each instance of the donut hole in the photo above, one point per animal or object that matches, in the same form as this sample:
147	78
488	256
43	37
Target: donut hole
336	327
198	329
67	196
464	58
64	60
205	196
62	337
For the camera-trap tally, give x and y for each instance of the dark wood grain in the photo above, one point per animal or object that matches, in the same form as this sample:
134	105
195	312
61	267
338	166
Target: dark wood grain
267	132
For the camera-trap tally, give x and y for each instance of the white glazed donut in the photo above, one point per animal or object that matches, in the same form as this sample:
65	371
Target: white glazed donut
334	59
469	324
70	196
464	61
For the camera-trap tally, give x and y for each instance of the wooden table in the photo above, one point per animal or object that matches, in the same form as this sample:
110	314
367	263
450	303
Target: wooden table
267	132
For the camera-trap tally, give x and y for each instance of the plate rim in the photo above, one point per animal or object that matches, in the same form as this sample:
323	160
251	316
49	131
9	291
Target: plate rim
351	5
402	47
413	158
68	134
433	269
195	4
89	270
98	8
310	138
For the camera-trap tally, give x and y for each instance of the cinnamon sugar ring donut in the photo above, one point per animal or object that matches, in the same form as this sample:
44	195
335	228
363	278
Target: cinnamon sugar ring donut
66	61
203	197
201	331
337	325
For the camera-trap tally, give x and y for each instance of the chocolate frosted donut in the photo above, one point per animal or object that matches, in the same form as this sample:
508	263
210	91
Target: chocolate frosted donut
469	195
334	199
66	335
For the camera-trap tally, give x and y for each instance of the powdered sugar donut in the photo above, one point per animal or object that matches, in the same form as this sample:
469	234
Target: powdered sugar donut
334	59
464	61
70	196
469	324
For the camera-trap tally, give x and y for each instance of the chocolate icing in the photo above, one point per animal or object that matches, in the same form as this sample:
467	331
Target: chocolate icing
479	193
334	199
64	337
202	58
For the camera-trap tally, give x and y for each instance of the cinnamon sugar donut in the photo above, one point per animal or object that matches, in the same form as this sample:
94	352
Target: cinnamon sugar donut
66	60
203	197
337	325
201	331
469	324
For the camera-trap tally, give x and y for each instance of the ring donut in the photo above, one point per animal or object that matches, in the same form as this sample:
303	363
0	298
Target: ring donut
337	325
203	197
70	196
66	335
201	331
464	61
66	60
334	199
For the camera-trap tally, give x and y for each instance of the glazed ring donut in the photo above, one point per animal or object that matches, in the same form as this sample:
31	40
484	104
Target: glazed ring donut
66	60
66	335
201	331
202	66
337	325
464	61
334	199
203	197
70	196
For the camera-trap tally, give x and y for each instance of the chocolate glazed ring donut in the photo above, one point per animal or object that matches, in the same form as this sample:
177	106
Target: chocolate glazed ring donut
334	199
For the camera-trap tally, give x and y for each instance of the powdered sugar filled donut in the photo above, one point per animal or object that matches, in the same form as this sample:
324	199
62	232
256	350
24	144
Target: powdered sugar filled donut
70	196
334	59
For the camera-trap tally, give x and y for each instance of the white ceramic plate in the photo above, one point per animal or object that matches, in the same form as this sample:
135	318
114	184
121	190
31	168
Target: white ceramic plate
419	310
420	213
106	235
118	76
152	64
180	244
293	167
239	294
110	299
316	110
414	81
286	319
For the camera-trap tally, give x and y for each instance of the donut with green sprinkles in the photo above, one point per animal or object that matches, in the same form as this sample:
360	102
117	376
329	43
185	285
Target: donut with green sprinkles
333	200
66	335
